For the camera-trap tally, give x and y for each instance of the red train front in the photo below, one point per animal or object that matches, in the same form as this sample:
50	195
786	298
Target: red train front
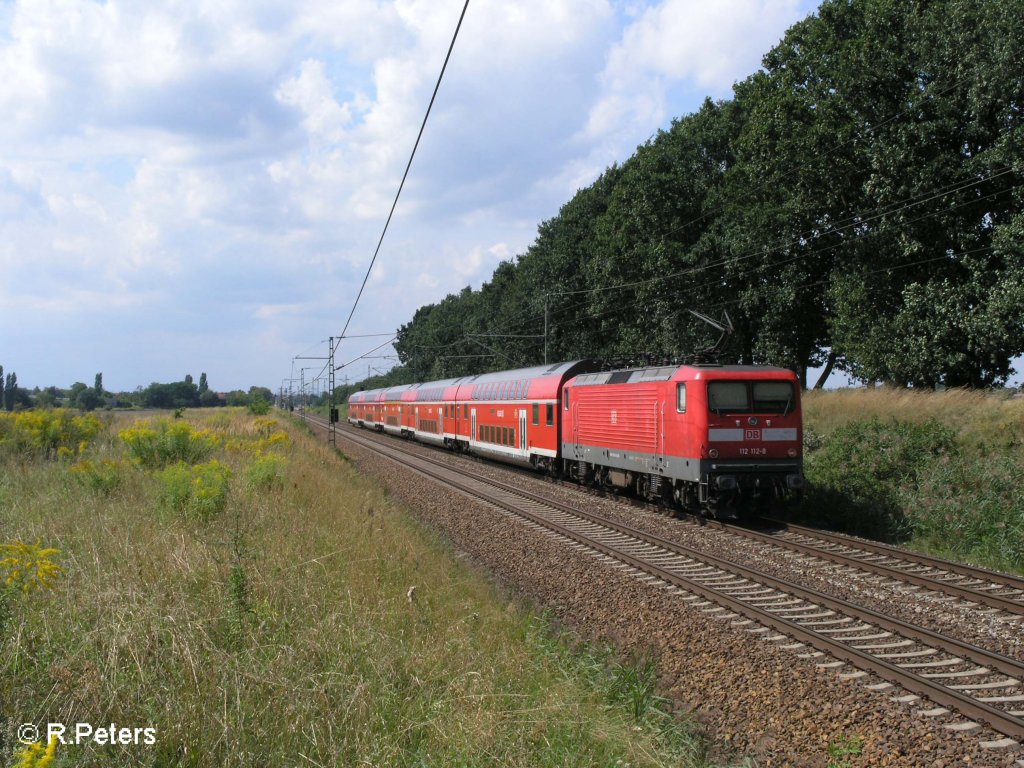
725	439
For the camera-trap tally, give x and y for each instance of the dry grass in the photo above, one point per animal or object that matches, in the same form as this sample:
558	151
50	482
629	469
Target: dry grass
982	420
280	631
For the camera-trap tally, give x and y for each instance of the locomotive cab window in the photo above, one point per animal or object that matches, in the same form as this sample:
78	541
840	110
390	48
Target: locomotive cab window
565	398
681	398
750	397
773	396
728	397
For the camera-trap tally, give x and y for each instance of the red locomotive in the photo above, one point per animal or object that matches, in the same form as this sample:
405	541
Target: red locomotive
706	437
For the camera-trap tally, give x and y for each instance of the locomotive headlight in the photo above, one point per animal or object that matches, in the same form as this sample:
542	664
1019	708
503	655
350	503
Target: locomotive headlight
791	453
713	453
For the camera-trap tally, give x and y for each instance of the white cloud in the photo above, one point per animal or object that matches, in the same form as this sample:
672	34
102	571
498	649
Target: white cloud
704	46
325	120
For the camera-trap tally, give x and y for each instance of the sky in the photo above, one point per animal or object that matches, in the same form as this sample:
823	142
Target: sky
192	186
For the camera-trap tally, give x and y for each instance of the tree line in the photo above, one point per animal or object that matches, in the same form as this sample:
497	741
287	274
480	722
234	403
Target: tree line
855	205
178	394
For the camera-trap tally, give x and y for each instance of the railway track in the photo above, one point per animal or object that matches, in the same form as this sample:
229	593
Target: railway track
980	586
983	686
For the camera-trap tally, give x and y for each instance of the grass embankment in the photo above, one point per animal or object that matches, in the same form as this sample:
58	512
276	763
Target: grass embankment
938	471
231	583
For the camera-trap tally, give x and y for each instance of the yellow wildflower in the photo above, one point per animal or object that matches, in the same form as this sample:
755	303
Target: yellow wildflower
35	755
29	566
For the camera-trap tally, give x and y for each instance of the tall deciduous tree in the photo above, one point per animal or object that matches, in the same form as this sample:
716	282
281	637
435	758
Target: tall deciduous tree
10	391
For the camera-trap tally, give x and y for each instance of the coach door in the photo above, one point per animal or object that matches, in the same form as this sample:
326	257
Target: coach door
472	423
522	430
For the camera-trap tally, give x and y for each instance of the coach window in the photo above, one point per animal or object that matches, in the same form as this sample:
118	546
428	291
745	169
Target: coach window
681	398
550	415
536	414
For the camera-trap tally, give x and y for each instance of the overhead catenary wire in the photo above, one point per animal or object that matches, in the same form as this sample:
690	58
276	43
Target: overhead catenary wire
405	175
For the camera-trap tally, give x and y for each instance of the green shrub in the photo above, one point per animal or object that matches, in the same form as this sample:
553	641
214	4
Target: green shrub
103	476
864	473
972	507
47	433
198	492
267	472
259	406
167	442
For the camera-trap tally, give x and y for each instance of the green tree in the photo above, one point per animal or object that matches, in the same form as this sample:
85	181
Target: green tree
933	305
98	385
179	394
10	391
209	399
76	390
88	400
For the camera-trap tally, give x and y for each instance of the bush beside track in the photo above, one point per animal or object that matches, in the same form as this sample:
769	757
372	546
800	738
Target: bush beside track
938	471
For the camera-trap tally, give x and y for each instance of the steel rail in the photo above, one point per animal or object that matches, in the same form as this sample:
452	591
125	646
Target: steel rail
1010	580
1004	603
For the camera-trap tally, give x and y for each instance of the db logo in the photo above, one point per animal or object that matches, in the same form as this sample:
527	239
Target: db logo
752	434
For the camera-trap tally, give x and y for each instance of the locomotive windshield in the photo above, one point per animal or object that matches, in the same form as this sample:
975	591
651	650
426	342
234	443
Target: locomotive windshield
750	397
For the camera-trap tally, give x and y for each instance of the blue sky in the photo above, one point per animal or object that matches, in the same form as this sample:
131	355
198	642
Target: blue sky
198	186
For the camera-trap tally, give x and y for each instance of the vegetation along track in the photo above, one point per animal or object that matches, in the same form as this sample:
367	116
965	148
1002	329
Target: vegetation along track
981	685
